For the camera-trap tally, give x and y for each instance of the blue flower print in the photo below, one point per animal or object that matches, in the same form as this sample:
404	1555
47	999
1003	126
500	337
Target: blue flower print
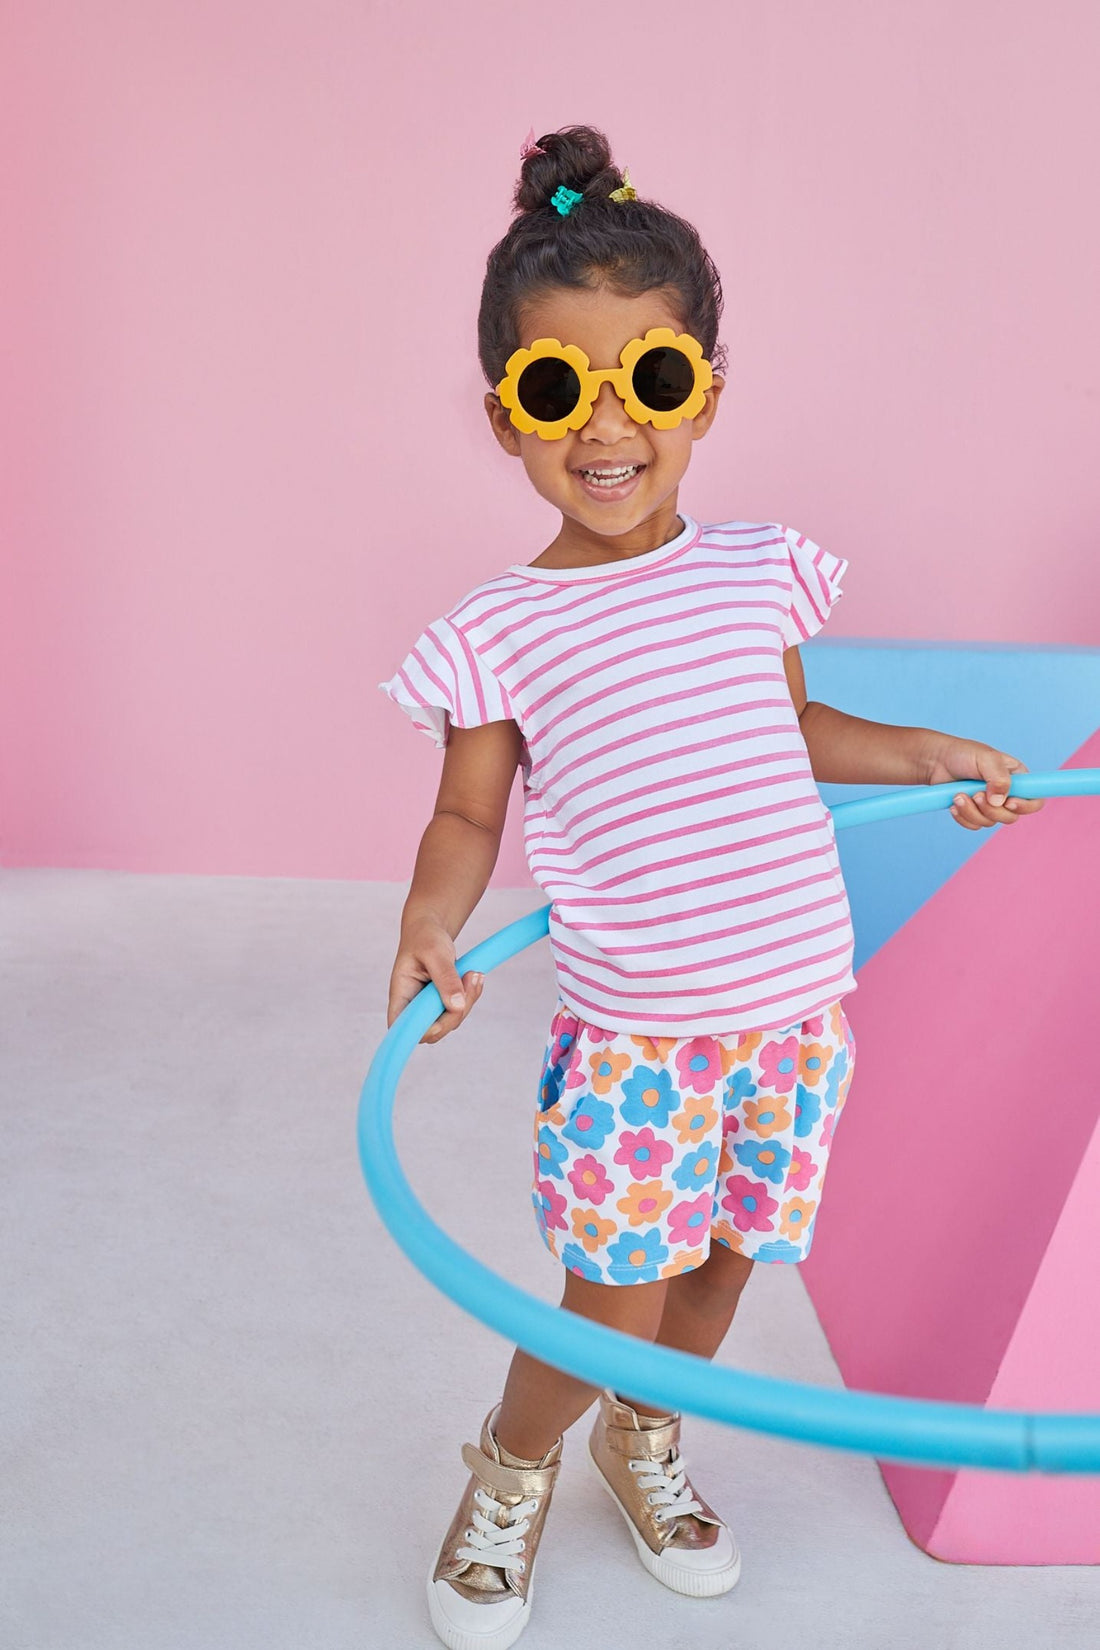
590	1121
764	1158
550	1088
574	1257
779	1249
739	1086
834	1075
551	1153
649	1096
807	1109
634	1258
696	1170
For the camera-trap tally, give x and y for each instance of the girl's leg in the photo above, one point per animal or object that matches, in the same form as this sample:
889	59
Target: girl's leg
699	1308
539	1402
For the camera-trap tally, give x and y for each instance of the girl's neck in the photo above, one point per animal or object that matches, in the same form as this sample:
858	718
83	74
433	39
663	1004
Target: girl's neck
576	546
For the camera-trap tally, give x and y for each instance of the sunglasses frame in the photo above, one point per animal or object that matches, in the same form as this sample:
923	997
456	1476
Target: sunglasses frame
620	377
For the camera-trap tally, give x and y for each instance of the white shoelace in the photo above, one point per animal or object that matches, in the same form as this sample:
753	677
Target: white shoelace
668	1488
498	1544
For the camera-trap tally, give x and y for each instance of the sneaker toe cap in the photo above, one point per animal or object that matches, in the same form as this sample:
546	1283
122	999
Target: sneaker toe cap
475	1624
720	1556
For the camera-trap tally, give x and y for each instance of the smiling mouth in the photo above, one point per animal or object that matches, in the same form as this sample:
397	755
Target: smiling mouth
608	480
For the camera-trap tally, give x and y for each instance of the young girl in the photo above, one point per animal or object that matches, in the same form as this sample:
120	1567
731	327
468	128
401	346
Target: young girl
643	672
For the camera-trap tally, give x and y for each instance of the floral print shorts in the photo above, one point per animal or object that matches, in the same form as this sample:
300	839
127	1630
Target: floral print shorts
648	1149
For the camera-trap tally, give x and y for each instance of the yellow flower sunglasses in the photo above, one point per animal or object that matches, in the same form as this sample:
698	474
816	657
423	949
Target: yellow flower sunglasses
551	387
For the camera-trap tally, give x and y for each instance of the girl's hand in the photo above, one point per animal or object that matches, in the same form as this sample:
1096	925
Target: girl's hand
428	954
970	759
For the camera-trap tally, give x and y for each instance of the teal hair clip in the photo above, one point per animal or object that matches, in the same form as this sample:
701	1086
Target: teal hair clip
565	200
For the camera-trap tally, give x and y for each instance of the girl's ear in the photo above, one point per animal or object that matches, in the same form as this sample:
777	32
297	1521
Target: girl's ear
702	421
502	426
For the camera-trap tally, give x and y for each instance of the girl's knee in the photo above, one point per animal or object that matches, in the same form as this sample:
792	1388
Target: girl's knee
724	1273
634	1308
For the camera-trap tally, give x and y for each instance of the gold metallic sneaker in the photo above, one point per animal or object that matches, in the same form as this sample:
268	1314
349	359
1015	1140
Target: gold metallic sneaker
679	1539
480	1587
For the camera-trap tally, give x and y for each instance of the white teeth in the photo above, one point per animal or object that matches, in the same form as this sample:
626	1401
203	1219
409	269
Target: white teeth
611	478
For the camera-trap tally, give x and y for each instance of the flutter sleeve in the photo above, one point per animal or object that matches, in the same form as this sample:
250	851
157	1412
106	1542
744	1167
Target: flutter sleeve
443	680
815	576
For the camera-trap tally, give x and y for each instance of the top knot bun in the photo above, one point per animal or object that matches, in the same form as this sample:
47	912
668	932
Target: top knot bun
578	157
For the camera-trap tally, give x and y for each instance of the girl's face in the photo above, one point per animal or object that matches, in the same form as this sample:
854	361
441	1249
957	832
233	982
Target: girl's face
602	324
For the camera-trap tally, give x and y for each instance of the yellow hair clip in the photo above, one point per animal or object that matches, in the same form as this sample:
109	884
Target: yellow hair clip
626	193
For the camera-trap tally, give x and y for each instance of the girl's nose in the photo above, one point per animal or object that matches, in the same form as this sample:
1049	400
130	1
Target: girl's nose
609	417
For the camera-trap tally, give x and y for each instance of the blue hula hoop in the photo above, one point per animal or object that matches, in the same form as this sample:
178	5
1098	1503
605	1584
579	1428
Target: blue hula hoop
928	1432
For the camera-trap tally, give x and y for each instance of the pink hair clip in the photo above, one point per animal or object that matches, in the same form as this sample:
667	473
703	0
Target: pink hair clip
530	147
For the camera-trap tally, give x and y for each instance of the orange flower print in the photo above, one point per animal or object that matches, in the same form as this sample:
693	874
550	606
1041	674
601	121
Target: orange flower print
696	1120
813	1058
796	1216
767	1116
591	1229
645	1201
686	1261
835	1020
655	1048
724	1232
747	1044
726	1164
607	1067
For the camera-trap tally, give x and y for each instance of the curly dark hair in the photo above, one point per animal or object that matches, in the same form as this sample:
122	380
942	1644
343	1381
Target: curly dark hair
631	246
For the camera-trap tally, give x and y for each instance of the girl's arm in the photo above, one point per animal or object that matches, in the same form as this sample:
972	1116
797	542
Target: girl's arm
453	865
847	750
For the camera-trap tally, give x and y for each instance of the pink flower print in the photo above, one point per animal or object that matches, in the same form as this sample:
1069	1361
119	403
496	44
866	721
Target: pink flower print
801	1172
814	1027
607	1067
596	1034
813	1059
643	1154
551	1203
825	1138
750	1205
688	1221
699	1063
575	1078
589	1180
564	1031
779	1065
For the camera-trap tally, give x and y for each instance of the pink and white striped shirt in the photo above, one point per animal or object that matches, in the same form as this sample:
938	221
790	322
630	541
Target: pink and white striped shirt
670	814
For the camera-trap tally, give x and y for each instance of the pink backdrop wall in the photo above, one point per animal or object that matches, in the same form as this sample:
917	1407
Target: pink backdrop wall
239	242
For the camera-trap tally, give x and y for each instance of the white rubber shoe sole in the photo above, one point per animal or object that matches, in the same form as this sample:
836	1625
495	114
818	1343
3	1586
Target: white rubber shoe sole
718	1572
463	1625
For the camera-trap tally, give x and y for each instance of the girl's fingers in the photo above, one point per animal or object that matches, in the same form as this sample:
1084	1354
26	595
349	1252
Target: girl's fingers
965	813
977	812
471	986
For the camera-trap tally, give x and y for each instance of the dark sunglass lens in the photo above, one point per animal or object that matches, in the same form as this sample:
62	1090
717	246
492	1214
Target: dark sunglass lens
663	379
548	389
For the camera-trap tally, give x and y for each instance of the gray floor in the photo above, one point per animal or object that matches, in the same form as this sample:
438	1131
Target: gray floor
231	1409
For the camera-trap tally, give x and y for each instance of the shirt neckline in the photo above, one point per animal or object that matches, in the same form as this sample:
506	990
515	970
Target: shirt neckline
617	569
